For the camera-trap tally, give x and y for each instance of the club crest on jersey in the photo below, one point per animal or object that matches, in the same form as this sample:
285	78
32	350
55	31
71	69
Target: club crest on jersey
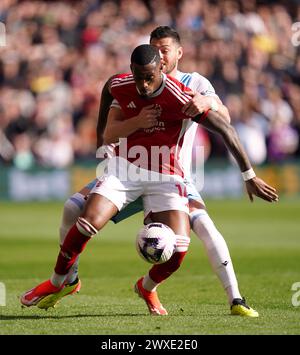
131	105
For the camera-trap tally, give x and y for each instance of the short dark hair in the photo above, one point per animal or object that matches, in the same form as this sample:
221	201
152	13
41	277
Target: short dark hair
145	54
165	32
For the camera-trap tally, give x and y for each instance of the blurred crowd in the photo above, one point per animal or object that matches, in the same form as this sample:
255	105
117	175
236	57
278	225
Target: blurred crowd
58	55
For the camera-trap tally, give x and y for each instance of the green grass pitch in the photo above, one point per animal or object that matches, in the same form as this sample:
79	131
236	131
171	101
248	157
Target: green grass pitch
264	240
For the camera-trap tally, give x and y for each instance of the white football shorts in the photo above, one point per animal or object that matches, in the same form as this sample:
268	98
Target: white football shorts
123	182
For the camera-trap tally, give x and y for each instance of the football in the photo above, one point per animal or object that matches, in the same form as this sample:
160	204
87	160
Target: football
156	243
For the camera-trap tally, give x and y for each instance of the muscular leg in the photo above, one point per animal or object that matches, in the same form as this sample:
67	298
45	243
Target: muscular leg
72	209
97	212
179	222
215	247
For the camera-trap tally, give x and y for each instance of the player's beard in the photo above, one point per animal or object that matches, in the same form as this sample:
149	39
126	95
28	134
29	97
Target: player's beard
169	68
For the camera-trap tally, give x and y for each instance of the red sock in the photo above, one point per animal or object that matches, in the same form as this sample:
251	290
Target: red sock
160	272
73	245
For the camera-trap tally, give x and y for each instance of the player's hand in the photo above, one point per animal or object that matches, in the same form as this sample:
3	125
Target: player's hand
148	117
197	105
259	188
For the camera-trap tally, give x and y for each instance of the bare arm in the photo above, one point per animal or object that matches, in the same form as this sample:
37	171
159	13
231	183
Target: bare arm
215	123
115	123
105	102
255	186
117	127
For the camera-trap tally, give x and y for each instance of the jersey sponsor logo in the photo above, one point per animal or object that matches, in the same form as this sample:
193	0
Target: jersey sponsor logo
160	126
131	105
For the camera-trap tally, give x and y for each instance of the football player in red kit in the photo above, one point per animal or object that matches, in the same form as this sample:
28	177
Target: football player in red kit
161	197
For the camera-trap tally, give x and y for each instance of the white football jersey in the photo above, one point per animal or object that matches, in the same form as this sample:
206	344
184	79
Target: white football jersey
199	83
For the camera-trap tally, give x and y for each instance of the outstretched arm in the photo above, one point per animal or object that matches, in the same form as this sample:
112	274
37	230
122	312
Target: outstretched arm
255	186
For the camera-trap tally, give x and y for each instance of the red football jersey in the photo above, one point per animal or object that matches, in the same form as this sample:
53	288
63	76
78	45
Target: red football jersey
167	136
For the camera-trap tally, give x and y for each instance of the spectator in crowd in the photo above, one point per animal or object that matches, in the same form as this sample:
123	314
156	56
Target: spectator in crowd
60	53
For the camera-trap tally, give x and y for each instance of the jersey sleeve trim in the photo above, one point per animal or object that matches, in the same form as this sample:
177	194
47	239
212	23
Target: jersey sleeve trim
177	92
120	81
200	117
115	104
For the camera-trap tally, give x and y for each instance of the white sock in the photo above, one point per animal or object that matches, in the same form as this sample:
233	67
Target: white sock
149	284
73	272
72	210
217	252
57	280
